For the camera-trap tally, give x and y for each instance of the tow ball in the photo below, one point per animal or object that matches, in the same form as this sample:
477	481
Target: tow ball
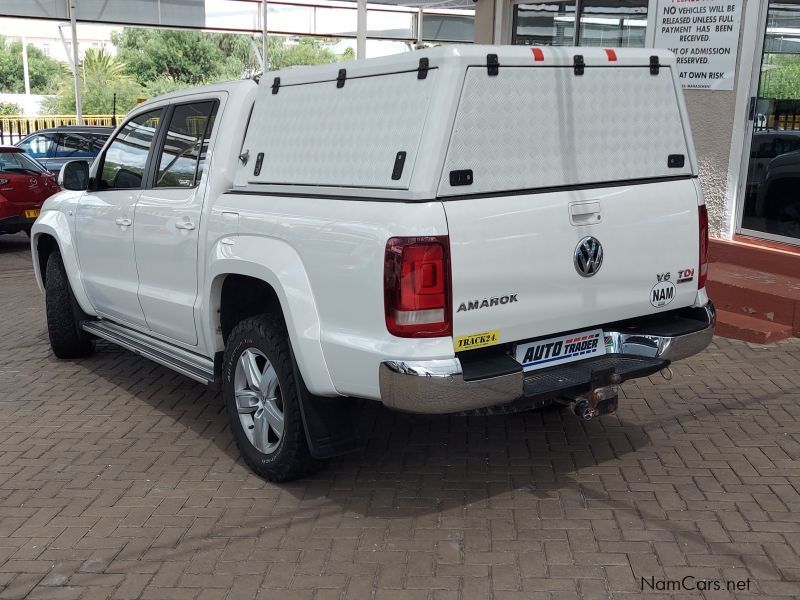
602	399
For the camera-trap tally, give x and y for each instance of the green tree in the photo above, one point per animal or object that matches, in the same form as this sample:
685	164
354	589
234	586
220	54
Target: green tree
190	57
305	51
102	75
43	71
162	61
242	54
162	85
9	109
780	77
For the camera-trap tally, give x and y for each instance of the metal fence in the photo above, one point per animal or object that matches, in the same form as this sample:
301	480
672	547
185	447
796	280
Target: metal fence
14	128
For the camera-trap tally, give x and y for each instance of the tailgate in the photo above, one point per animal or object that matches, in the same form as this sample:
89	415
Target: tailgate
513	258
544	163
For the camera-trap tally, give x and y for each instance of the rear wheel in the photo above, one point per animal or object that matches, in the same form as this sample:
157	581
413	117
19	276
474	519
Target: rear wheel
260	392
64	316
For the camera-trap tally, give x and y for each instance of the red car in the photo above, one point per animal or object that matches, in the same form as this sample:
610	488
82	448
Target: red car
24	186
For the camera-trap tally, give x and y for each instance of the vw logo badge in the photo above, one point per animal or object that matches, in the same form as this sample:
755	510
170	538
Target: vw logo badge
588	256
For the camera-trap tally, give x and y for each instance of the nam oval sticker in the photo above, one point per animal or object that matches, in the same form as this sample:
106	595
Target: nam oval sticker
662	293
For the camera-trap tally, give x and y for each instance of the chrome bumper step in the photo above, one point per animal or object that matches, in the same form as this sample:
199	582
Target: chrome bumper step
578	377
199	368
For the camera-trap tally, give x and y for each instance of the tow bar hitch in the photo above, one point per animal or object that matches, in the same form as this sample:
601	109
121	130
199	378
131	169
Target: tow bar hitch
602	399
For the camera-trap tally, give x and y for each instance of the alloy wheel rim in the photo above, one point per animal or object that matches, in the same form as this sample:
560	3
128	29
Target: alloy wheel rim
259	401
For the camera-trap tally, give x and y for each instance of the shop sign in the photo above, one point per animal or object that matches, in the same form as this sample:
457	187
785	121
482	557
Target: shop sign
704	35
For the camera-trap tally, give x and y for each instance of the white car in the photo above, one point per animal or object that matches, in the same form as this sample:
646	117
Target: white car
449	230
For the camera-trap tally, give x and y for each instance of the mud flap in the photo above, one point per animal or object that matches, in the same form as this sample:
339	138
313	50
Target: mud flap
331	424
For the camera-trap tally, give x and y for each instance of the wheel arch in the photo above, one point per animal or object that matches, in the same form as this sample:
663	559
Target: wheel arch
51	233
267	275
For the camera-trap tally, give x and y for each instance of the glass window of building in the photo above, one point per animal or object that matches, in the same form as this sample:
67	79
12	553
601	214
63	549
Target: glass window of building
772	203
544	24
613	23
606	23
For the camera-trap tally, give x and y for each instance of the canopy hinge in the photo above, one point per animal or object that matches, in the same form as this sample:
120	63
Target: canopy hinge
422	70
492	65
654	66
276	84
578	64
340	78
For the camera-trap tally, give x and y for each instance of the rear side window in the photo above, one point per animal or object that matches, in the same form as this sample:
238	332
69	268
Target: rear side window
183	154
38	146
126	157
78	145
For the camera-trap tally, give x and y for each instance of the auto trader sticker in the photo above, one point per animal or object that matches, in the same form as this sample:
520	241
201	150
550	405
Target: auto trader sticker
477	340
561	349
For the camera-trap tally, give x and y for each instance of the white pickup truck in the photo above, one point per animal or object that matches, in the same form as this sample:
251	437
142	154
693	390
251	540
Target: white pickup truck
450	230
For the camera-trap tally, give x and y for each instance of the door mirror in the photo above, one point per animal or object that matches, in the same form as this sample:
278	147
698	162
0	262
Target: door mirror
74	175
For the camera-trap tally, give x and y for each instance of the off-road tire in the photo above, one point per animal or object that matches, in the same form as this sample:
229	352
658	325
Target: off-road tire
64	315
291	459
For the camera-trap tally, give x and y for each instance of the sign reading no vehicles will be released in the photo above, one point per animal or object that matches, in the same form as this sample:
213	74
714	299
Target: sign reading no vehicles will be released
704	35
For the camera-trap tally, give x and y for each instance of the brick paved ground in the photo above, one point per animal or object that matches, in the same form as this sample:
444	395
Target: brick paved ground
119	479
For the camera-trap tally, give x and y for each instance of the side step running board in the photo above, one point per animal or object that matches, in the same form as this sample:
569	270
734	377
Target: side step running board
184	362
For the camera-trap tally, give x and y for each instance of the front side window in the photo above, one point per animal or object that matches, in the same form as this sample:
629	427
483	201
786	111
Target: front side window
185	146
126	157
38	146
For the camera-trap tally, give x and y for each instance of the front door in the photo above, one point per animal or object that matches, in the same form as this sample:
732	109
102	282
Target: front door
105	221
167	222
771	201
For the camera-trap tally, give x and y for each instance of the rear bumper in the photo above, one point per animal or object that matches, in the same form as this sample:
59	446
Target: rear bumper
440	386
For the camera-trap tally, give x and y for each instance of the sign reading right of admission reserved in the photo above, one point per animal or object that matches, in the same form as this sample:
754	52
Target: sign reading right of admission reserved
704	35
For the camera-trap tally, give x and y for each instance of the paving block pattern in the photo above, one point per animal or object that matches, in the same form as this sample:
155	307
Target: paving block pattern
119	479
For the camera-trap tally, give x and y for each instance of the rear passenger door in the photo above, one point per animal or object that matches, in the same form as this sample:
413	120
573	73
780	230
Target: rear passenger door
167	221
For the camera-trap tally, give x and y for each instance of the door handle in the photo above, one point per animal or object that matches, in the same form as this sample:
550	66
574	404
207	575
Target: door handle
186	225
584	213
123	222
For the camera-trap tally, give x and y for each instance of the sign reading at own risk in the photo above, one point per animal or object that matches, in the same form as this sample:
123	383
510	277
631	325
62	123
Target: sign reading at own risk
704	35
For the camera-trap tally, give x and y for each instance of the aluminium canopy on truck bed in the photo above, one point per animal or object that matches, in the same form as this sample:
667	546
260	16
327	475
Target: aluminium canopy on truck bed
462	120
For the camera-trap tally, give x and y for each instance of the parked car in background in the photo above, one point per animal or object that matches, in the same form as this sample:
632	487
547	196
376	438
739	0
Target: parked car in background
53	147
24	186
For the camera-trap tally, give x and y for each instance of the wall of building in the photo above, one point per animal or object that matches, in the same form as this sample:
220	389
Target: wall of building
711	113
711	117
31	104
484	22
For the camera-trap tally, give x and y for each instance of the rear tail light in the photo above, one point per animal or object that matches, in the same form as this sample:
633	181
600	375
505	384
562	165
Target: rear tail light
703	271
416	279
